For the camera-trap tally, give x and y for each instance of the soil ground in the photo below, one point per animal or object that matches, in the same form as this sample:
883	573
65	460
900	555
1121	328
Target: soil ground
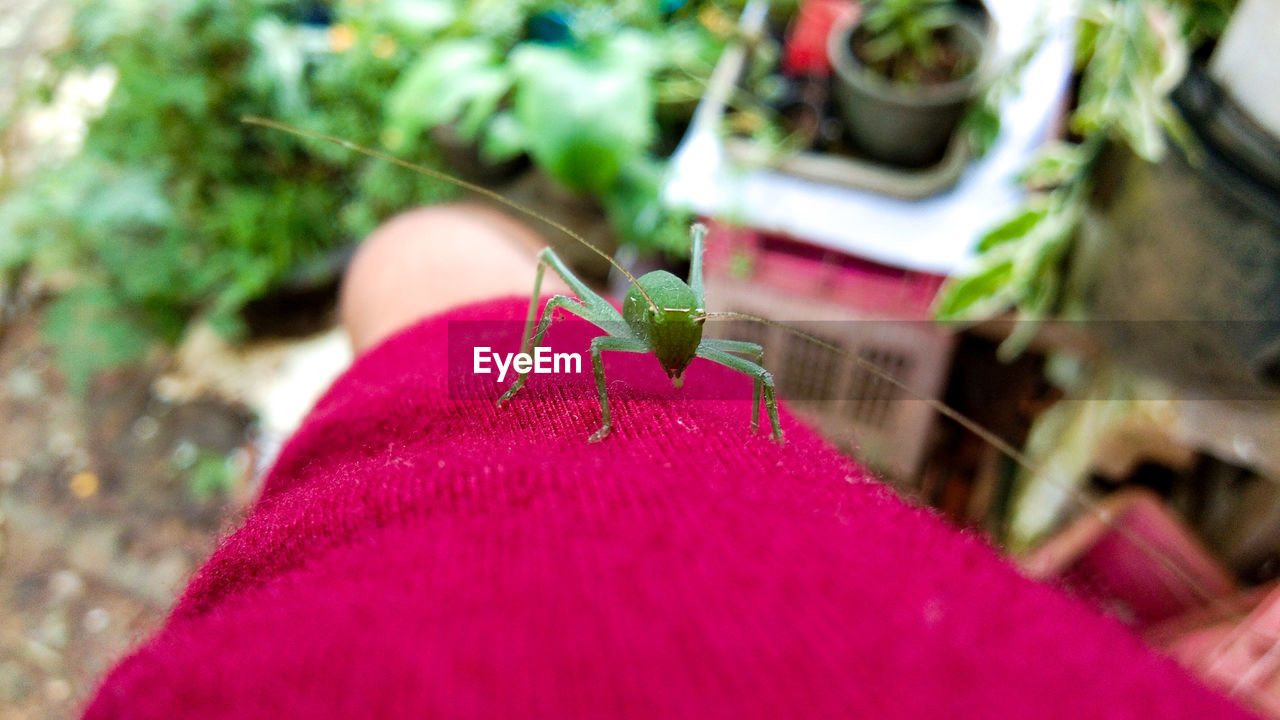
100	524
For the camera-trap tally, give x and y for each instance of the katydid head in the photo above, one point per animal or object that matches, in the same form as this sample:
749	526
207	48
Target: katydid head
672	324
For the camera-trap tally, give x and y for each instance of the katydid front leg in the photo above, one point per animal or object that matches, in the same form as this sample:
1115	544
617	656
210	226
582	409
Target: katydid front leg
590	307
599	345
529	344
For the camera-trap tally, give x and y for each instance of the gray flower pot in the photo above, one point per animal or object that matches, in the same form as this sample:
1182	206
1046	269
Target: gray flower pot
909	126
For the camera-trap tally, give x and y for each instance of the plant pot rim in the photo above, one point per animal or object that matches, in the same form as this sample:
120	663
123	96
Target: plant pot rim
849	69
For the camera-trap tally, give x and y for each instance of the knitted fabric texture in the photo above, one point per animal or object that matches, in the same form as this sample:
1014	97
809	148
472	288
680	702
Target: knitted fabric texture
418	552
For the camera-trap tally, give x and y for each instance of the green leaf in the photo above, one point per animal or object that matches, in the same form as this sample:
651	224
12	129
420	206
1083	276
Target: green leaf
1014	228
936	18
585	113
211	475
1034	309
636	211
981	125
417	16
1056	164
279	63
487	93
504	139
982	294
92	331
450	78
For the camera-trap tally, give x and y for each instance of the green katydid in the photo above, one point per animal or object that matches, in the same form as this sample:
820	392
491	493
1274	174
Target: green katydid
661	313
664	315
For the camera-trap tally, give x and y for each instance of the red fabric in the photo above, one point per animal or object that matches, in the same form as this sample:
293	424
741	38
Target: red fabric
420	554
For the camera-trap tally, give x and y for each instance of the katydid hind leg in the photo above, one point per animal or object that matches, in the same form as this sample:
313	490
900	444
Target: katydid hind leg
589	306
600	320
598	346
708	351
603	314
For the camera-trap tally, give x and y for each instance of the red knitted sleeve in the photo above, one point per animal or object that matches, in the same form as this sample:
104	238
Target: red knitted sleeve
418	552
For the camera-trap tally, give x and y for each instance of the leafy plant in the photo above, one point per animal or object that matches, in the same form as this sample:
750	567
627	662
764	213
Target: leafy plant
906	41
1130	55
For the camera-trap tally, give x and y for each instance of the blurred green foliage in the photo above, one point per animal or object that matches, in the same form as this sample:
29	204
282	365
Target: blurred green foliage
580	87
905	40
1130	55
211	475
176	210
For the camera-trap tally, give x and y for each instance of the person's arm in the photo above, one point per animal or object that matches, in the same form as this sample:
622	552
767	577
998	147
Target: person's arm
418	552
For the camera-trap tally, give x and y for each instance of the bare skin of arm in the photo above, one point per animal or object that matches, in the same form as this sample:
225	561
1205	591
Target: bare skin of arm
425	261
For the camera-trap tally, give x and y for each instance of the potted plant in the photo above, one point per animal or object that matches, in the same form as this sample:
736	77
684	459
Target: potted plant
905	73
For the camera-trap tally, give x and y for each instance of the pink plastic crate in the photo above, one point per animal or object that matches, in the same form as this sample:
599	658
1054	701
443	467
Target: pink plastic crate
807	271
1113	567
872	312
1233	644
1247	662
